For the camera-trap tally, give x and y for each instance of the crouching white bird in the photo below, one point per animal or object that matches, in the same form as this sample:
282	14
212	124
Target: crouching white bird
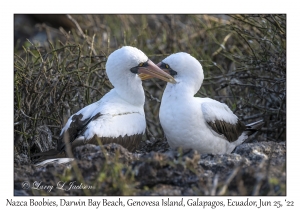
197	123
118	117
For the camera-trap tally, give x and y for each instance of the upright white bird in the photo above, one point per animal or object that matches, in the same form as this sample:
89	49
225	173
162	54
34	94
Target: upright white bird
118	117
197	123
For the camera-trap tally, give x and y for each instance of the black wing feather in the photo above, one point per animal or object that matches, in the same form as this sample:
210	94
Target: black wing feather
230	131
76	128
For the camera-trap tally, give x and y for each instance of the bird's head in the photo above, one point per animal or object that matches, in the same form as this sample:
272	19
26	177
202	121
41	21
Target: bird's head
129	62
184	68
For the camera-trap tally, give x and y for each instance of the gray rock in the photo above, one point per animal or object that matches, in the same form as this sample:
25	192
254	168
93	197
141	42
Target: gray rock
253	169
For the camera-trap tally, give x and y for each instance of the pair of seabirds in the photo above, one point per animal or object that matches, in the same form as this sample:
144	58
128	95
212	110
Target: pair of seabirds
189	122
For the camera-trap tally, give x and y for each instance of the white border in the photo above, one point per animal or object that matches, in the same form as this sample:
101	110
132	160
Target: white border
152	7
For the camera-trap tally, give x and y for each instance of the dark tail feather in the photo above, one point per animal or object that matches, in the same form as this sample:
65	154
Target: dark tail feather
53	153
254	127
251	129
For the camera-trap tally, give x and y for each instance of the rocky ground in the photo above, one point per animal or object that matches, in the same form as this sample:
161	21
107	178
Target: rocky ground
252	169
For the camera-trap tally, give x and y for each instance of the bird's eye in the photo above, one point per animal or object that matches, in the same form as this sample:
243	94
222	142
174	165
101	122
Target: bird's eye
141	64
164	66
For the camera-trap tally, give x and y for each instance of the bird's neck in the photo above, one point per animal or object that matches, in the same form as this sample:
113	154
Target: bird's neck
179	91
132	92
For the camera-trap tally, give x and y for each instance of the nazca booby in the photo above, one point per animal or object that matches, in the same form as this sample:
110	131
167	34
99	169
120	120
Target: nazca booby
118	117
189	122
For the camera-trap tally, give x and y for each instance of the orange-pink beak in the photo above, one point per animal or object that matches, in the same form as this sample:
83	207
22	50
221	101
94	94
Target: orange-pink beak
152	71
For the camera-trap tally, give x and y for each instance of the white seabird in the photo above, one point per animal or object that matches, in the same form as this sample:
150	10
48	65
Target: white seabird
189	122
118	117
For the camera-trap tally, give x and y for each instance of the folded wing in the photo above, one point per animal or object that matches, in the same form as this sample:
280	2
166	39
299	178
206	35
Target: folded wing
222	120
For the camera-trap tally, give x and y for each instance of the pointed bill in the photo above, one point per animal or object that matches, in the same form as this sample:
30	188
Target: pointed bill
152	71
